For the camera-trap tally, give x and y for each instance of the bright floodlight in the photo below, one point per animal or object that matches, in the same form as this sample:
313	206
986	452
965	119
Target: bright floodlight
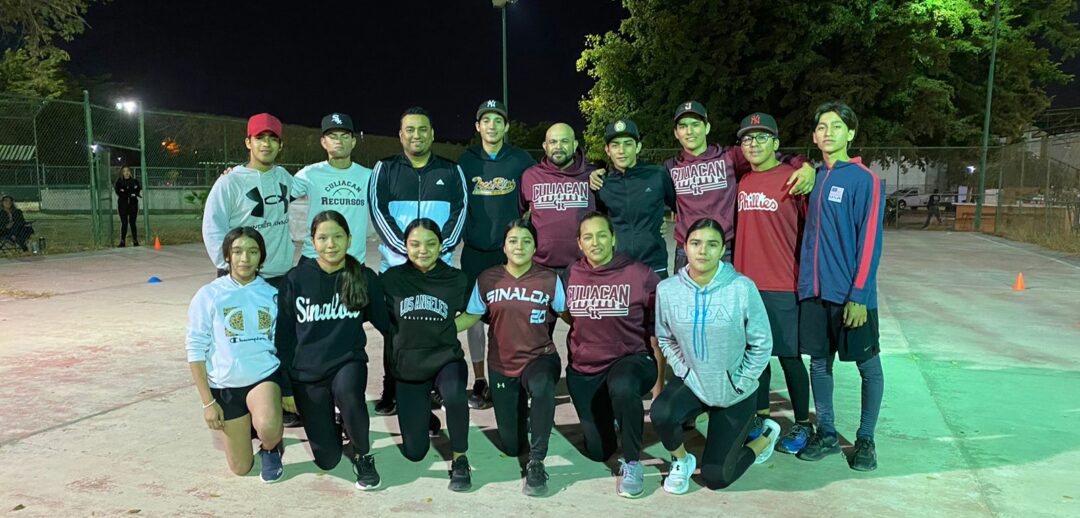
127	106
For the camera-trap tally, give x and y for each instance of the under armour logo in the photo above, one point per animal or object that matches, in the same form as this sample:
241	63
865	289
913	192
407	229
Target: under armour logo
336	118
491	103
687	106
755	119
273	199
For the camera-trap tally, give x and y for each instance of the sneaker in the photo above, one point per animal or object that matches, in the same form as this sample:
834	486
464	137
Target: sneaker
386	405
678	479
796	438
121	245
755	428
437	401
434	426
460	474
272	470
367	477
771	430
535	479
291	420
135	243
481	395
819	447
865	457
632	484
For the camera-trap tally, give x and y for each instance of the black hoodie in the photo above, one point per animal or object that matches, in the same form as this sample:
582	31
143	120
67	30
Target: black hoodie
316	334
494	189
633	200
422	307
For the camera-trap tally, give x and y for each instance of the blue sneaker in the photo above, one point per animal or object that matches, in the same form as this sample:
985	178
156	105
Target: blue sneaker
632	484
756	427
272	470
796	438
678	479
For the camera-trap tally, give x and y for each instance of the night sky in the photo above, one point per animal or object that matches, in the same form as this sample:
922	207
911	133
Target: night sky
366	58
369	59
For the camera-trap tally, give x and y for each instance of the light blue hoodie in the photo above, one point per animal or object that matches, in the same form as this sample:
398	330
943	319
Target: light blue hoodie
716	338
231	328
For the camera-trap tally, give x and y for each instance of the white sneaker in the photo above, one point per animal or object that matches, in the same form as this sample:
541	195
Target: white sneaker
678	479
770	429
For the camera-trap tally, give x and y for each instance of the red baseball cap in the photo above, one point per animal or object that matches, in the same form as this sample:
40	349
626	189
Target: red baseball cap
263	122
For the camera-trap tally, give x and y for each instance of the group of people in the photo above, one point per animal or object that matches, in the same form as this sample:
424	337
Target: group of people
773	258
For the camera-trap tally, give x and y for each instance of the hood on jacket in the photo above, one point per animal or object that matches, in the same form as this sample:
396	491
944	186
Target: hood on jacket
711	152
577	166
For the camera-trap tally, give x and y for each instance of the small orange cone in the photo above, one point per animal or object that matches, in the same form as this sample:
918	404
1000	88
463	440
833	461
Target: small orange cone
1019	284
157	246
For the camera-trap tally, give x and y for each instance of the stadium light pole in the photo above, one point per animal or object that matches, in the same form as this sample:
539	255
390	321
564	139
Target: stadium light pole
501	5
986	121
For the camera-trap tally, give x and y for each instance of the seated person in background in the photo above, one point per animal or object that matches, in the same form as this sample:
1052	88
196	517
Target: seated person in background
13	225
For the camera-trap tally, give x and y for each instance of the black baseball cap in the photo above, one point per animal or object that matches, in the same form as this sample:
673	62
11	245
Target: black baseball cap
621	128
693	107
337	121
491	105
757	121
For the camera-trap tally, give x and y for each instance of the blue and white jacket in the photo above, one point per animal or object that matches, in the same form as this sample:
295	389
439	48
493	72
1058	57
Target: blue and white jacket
841	245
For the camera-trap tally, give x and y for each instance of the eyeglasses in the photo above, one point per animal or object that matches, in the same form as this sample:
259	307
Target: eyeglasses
760	138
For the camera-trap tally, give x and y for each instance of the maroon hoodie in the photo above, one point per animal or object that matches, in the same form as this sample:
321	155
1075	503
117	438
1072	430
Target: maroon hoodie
558	199
706	187
613	310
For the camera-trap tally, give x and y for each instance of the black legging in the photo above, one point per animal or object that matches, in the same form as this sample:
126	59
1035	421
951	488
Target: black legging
315	402
798	384
414	410
613	394
725	458
511	403
129	214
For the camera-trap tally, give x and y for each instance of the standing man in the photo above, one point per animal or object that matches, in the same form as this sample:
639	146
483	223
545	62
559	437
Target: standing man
412	185
610	299
128	191
838	283
556	194
255	195
633	197
337	184
933	210
493	171
770	224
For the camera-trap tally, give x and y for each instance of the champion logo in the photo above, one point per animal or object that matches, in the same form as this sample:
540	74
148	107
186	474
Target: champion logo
336	118
755	119
260	203
440	182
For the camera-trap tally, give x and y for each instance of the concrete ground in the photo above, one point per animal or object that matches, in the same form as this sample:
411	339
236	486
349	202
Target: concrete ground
980	418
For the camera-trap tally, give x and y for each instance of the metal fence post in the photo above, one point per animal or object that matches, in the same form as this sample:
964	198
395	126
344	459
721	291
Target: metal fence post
145	176
1000	193
95	217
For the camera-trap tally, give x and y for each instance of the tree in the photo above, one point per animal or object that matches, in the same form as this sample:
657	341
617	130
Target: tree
35	76
915	71
34	66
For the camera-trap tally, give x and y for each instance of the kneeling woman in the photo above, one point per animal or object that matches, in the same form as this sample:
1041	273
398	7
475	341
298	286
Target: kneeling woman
230	349
323	305
521	301
712	327
423	297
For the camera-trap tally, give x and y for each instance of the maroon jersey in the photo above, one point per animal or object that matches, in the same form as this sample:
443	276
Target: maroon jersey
770	227
520	312
558	199
613	310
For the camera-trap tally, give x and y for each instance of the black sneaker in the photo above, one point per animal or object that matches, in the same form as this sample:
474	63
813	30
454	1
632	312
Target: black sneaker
535	479
367	477
460	474
386	405
481	395
291	420
819	447
121	245
434	426
865	457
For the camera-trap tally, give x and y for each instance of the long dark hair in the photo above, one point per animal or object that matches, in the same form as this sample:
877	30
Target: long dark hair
705	223
426	224
237	233
352	283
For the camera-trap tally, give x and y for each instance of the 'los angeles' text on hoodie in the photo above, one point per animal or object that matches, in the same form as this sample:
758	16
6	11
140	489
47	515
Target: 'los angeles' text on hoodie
557	198
494	193
717	337
316	333
612	306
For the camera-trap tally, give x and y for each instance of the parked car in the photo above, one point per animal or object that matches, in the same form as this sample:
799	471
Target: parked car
911	198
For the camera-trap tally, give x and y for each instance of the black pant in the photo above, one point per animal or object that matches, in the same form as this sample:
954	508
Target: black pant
315	403
511	403
414	410
725	458
932	212
603	397
129	214
798	384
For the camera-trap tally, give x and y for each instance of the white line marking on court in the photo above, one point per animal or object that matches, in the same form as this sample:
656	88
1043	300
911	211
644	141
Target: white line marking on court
979	438
1026	251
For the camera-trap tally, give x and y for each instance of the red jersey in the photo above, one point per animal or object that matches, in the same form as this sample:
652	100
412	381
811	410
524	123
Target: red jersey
769	229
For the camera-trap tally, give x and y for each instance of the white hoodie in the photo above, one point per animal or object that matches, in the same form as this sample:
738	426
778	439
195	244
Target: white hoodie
249	198
231	328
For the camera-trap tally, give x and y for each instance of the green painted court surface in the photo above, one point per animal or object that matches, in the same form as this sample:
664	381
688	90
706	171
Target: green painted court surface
981	415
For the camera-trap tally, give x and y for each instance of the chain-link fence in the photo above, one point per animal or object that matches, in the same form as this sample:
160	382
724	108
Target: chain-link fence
60	161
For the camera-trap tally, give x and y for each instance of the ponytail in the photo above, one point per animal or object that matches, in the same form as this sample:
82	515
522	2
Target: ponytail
353	283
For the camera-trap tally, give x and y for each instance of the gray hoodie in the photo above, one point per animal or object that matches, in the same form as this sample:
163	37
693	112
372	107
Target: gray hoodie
716	338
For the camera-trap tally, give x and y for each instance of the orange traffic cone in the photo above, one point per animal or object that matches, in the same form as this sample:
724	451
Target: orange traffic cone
157	246
1019	284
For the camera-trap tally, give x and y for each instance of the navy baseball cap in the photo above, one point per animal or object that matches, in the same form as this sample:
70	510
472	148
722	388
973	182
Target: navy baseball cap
692	107
621	128
757	121
492	105
337	121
